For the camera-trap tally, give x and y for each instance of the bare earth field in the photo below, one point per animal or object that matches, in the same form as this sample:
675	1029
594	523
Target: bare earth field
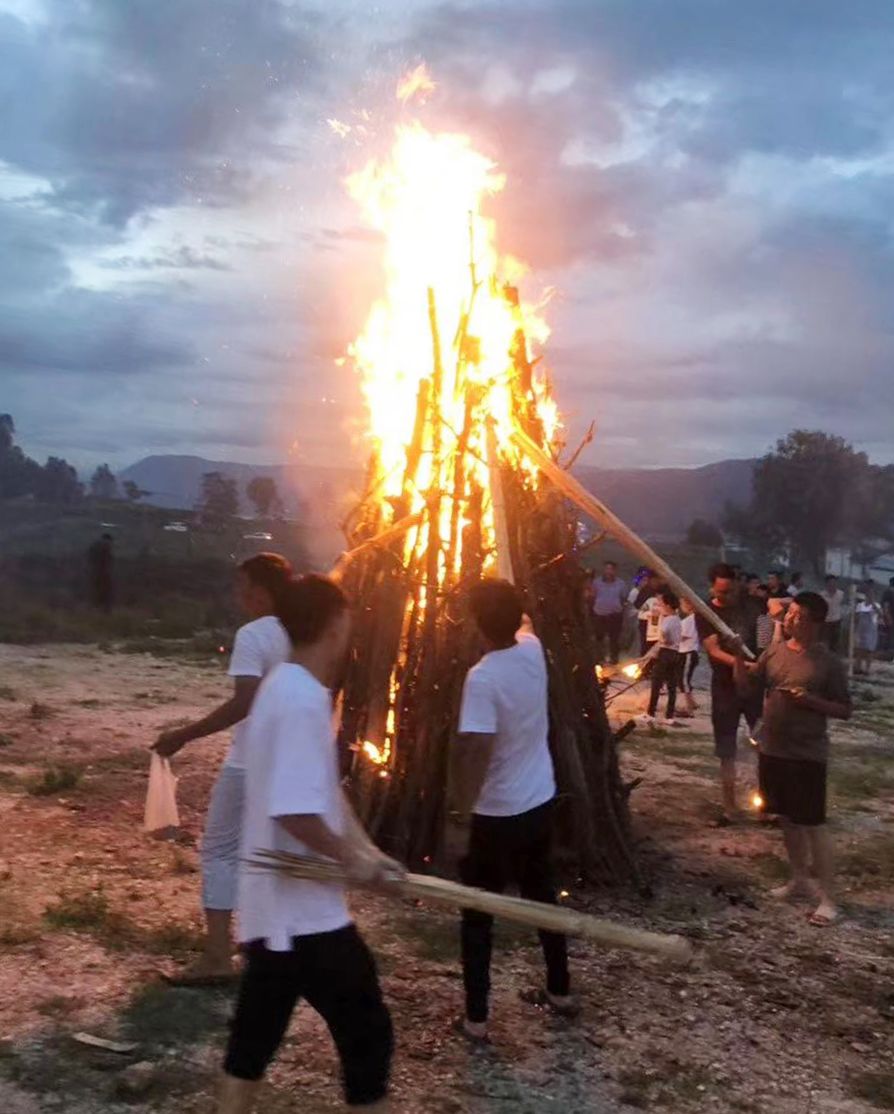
773	1015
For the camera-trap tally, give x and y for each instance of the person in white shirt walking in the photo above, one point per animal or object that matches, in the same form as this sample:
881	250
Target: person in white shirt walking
665	657
260	645
688	662
834	598
298	936
502	772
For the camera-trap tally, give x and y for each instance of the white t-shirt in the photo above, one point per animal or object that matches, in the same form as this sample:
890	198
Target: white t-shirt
670	631
689	642
260	646
835	600
649	611
505	695
291	770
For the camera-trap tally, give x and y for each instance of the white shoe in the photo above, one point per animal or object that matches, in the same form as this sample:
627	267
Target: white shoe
645	720
672	723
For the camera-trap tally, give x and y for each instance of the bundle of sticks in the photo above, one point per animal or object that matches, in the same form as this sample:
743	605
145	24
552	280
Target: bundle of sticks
440	891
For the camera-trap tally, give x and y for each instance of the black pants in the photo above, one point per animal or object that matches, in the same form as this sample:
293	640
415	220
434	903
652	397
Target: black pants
336	973
665	671
608	627
832	635
505	850
643	625
687	665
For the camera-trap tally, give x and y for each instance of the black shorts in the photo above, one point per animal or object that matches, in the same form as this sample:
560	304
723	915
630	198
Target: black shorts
794	788
728	706
336	973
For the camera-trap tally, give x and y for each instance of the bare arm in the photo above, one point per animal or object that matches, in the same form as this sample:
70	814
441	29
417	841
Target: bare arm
226	715
469	761
716	652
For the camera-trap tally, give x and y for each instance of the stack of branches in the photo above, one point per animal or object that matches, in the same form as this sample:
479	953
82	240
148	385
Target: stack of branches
414	556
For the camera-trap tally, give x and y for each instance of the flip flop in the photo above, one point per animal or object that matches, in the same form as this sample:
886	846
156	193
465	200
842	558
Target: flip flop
819	920
540	998
459	1027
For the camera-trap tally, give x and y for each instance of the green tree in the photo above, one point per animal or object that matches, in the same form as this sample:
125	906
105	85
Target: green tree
703	533
219	501
133	492
103	484
814	490
58	482
263	494
19	474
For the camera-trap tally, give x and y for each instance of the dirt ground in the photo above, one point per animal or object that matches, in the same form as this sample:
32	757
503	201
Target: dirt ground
771	1015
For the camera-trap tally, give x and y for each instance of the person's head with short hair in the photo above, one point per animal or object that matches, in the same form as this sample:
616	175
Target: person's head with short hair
831	581
609	571
497	608
722	578
797	580
316	615
668	602
774	580
763	591
752	583
804	617
259	581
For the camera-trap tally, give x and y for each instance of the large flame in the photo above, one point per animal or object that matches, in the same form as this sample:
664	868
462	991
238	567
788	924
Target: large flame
447	302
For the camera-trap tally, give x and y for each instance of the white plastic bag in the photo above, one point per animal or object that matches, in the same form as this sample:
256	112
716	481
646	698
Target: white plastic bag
161	813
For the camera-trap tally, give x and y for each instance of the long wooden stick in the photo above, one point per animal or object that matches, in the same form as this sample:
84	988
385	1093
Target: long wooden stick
498	501
440	891
400	527
594	507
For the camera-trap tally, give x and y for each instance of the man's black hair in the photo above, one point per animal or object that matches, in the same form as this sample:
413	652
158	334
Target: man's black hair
814	604
796	576
307	606
751	576
497	608
830	576
670	598
721	571
270	571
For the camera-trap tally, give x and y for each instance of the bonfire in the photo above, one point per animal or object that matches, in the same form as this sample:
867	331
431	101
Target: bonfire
463	481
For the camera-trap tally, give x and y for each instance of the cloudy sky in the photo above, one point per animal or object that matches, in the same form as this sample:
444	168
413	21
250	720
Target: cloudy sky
706	183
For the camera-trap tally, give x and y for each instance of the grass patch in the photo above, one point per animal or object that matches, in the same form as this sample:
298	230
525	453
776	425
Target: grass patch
6	693
54	779
17	924
870	860
135	759
83	912
6	740
876	1087
862	780
90	702
89	912
40	711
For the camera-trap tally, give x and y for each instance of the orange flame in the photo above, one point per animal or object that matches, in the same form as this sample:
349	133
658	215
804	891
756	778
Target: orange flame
417	82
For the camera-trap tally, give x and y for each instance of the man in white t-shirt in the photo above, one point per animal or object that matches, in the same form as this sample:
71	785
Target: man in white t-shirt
503	773
260	645
297	935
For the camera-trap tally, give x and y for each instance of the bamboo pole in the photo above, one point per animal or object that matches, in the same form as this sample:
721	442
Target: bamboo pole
498	501
594	507
397	530
440	891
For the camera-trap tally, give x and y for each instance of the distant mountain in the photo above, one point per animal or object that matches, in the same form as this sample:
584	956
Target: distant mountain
657	502
660	503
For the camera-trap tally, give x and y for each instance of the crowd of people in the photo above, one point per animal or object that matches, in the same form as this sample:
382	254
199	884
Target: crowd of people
775	666
778	669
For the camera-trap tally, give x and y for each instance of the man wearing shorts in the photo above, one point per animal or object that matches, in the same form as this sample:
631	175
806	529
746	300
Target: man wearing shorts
728	703
806	683
298	936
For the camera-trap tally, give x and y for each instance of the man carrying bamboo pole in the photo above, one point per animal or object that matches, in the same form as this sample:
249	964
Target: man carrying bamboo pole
503	772
297	934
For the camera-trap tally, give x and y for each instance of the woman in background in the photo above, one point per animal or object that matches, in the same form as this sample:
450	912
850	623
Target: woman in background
689	647
866	623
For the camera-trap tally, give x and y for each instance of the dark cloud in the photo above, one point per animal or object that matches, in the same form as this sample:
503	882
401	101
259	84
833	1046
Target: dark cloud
124	106
182	258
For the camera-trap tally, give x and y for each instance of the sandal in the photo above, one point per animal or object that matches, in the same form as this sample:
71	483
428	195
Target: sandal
540	998
459	1027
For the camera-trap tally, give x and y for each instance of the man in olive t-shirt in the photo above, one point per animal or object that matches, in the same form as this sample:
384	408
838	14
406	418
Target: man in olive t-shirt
805	684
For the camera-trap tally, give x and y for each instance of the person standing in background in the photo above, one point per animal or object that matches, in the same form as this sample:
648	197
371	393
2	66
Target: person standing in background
260	645
796	584
866	625
688	661
101	562
643	602
888	616
764	626
609	594
776	586
834	598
